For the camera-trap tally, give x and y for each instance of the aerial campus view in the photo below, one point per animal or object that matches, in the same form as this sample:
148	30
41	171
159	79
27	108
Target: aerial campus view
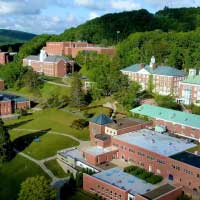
100	100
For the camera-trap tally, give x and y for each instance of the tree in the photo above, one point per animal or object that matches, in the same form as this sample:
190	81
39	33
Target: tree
6	150
35	188
150	86
77	95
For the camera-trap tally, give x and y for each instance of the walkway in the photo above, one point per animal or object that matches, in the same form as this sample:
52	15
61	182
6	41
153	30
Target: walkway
58	84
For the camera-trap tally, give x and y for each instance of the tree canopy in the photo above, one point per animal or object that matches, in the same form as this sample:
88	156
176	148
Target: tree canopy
34	188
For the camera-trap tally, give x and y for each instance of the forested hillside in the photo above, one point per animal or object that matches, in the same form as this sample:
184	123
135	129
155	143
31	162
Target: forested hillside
12	36
103	30
178	49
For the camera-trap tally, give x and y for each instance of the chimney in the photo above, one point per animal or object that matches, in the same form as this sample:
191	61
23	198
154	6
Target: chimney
142	65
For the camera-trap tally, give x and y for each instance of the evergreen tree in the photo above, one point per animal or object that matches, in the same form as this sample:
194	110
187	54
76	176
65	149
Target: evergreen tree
5	144
35	188
77	95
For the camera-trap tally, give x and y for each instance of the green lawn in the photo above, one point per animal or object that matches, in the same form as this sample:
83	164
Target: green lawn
55	168
47	146
54	119
45	91
12	174
82	195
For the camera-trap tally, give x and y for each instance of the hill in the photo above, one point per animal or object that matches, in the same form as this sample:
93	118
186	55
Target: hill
103	30
13	36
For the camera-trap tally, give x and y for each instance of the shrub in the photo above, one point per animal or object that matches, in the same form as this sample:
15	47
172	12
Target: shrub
154	179
79	123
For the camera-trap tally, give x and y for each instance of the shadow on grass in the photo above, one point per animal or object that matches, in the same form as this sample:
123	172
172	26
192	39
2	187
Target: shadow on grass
15	125
24	141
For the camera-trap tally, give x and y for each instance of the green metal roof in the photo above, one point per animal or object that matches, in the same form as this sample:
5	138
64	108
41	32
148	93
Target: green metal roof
159	70
193	80
178	117
101	120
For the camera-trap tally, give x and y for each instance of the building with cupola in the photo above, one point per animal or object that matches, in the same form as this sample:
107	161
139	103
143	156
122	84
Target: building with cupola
164	80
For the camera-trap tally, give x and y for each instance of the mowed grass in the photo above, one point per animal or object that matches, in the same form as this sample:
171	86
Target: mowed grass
47	146
192	150
82	195
13	173
54	119
55	168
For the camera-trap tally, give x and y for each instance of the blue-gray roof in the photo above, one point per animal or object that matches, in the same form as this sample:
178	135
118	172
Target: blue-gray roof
101	119
54	58
159	70
125	181
9	97
174	116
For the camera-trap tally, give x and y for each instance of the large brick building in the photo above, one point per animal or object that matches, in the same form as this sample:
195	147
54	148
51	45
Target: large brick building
118	185
10	103
163	79
189	89
48	65
180	123
73	48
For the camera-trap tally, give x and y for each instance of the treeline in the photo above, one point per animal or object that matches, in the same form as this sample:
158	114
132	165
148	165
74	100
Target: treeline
178	49
103	30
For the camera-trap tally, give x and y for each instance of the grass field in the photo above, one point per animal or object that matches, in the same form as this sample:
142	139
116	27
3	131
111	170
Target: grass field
192	150
12	174
82	195
47	146
55	168
54	119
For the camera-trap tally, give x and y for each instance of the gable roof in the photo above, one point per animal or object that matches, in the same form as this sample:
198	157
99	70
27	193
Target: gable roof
54	58
193	80
159	70
101	119
174	116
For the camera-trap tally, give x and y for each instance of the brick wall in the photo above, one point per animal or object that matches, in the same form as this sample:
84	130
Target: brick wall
3	58
103	189
5	107
177	128
23	105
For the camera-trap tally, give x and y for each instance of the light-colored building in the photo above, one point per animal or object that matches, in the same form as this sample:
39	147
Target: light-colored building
189	89
57	66
164	79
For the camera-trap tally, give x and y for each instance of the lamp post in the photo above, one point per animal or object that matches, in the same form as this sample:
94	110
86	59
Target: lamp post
118	32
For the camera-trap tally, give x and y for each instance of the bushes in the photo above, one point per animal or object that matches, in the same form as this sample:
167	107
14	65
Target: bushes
79	124
143	174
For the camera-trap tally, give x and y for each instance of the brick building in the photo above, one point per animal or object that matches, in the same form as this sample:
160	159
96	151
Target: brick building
164	79
116	184
180	123
10	103
189	89
57	66
4	57
73	48
163	155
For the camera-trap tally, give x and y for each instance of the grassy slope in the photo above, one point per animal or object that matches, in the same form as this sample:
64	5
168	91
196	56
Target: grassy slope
55	168
13	173
56	120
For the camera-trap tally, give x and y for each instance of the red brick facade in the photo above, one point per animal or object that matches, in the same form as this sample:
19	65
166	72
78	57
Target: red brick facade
183	174
56	69
185	131
73	48
3	58
5	107
108	191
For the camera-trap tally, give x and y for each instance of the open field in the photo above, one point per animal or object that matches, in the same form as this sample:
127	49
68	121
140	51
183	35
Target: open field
53	119
47	145
12	174
55	168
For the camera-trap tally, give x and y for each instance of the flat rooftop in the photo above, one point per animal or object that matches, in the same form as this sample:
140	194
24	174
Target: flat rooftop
174	116
162	144
10	97
127	182
124	123
159	191
188	158
96	150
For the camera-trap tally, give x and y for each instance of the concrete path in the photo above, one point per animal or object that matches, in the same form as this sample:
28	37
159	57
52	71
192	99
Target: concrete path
58	84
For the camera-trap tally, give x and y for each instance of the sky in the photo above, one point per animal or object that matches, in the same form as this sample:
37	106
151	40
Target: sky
54	16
